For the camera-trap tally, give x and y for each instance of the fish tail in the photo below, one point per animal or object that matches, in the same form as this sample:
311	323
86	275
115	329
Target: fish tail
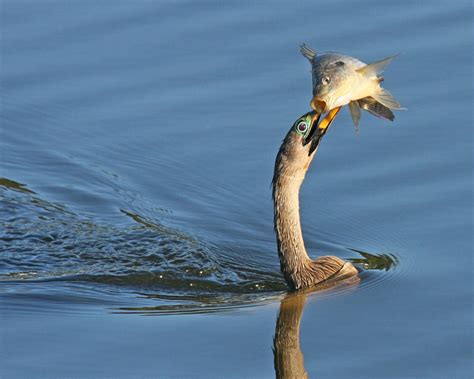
309	53
385	98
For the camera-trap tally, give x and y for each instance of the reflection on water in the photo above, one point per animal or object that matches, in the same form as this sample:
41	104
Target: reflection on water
288	357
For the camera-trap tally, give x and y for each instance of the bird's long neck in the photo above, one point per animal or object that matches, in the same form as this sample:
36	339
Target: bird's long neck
291	165
293	257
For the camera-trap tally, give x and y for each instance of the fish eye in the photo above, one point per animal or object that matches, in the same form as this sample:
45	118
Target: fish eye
302	127
326	80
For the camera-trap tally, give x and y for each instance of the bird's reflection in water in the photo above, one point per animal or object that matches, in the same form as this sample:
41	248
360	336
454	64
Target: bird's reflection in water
288	358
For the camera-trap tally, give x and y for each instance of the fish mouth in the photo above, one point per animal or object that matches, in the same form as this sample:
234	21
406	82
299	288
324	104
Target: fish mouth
318	104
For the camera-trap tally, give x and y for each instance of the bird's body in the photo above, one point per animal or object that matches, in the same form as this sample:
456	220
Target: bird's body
340	80
292	162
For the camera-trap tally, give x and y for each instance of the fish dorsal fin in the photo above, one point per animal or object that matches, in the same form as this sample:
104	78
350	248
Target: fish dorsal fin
309	53
375	68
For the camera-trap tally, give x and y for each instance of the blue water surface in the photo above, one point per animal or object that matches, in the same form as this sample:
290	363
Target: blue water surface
137	143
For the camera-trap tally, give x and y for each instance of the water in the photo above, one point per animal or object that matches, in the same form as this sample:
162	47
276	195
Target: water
137	147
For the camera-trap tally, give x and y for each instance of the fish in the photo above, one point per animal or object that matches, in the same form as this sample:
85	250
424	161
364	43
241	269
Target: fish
340	80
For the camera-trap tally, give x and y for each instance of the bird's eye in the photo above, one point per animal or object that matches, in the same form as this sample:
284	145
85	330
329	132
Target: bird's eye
302	127
326	80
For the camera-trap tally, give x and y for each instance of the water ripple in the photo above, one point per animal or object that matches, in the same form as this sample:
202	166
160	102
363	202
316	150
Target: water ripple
162	269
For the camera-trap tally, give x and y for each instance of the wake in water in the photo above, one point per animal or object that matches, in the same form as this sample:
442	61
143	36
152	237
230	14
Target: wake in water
168	271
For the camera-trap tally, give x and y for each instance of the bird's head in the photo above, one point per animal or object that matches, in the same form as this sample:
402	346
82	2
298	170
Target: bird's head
301	142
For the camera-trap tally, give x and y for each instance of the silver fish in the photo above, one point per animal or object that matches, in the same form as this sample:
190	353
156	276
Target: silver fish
340	80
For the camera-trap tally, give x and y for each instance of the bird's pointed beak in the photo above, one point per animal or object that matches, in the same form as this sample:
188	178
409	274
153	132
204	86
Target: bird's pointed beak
319	129
315	117
326	122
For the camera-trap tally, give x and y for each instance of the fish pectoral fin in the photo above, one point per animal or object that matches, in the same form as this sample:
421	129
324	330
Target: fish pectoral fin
375	68
385	98
372	106
307	52
355	113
